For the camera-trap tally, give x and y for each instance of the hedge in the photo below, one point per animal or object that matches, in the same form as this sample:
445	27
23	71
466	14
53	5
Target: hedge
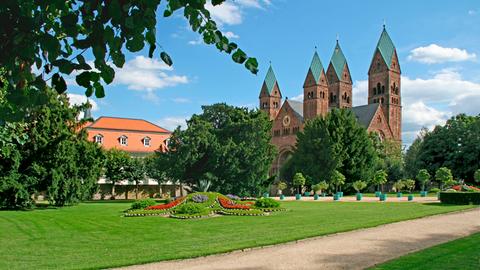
460	197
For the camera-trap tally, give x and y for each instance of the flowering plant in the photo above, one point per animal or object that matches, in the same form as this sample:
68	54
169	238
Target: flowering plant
229	204
167	205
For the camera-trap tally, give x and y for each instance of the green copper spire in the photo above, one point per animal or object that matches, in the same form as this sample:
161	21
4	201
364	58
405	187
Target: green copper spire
385	47
338	60
316	67
270	79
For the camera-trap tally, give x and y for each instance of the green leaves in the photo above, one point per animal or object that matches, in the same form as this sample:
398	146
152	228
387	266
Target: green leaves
166	58
239	56
58	83
252	65
135	44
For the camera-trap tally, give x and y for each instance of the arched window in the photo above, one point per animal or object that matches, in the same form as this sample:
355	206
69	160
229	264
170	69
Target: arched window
383	89
98	138
378	88
374	90
123	140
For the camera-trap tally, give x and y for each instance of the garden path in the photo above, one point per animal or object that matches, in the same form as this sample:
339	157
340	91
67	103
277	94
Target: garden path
357	249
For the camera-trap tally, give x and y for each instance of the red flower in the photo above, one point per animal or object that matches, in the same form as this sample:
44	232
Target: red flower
229	204
167	205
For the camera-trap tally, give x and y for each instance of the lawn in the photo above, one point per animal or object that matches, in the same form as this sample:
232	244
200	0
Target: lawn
463	253
95	235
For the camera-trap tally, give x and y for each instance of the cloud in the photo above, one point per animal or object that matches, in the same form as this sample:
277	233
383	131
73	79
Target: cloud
231	35
433	54
254	3
172	122
145	74
418	115
181	100
472	12
76	99
226	13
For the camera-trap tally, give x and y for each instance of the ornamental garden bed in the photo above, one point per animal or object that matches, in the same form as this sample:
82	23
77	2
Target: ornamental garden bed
205	204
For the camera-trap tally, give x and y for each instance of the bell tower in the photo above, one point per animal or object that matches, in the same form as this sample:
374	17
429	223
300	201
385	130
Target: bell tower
339	80
315	90
270	95
384	77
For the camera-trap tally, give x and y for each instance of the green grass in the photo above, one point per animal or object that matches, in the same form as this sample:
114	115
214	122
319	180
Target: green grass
95	235
463	253
405	194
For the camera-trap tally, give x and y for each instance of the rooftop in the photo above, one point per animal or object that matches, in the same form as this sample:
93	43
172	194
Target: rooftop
118	123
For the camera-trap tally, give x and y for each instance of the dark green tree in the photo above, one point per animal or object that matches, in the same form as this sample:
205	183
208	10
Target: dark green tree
411	158
231	144
299	180
135	172
54	36
116	164
335	142
423	178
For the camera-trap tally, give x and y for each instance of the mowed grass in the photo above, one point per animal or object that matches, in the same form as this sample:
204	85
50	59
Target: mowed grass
95	235
463	253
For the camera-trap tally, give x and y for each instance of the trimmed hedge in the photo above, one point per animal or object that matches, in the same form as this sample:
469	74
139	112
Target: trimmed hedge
460	197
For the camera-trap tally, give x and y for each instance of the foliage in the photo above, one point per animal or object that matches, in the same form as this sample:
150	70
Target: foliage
409	184
435	190
476	176
56	158
321	186
135	172
337	179
281	185
142	204
399	185
455	145
267	203
460	197
116	164
444	176
299	180
389	157
204	185
228	145
410	158
152	170
335	142
55	35
379	178
189	208
423	177
359	185
233	197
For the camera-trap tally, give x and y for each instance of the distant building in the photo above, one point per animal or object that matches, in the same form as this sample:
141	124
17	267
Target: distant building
329	88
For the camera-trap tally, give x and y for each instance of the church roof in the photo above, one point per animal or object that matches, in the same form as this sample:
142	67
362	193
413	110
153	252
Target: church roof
270	80
297	107
338	60
365	113
385	47
316	67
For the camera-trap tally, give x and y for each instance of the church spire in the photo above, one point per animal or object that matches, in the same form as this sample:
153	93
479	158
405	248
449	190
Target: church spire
87	112
316	66
338	60
386	47
270	80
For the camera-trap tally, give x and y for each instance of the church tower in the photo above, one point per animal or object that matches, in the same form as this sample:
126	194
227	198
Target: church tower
384	83
270	95
339	80
315	90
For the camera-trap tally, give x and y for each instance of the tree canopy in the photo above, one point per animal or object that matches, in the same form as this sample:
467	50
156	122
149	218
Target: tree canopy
229	145
53	36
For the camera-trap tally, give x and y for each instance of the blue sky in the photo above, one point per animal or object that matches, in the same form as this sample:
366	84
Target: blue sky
437	43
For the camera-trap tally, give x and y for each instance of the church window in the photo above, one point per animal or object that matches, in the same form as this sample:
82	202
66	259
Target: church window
383	89
348	99
295	130
374	90
378	87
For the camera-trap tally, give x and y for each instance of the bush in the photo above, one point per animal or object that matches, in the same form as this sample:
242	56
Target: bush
142	204
435	190
267	203
460	197
189	208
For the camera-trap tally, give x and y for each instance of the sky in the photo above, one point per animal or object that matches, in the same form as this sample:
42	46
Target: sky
438	44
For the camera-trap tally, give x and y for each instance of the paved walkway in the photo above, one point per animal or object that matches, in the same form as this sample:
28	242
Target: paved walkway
350	250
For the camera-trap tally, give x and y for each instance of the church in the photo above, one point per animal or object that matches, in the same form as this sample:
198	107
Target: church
324	90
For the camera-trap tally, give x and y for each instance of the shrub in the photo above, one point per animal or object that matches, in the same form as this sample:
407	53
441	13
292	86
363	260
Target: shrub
460	197
450	190
189	208
359	185
435	190
142	204
267	203
199	198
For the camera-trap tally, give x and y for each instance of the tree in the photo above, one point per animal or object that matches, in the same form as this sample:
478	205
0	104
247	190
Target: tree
115	167
359	185
281	186
423	177
411	157
477	176
399	185
389	157
299	180
54	36
337	180
135	172
444	176
321	186
409	184
455	145
335	142
379	179
153	171
230	143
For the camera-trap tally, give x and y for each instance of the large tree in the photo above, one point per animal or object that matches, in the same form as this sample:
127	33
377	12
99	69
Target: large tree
335	142
54	36
411	155
116	164
228	144
455	145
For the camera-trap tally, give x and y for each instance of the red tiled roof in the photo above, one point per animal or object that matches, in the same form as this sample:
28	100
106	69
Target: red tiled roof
118	123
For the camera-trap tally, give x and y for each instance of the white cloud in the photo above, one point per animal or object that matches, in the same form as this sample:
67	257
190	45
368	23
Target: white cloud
181	100
472	12
231	35
433	53
172	122
226	13
360	93
145	74
198	41
418	115
298	98
76	99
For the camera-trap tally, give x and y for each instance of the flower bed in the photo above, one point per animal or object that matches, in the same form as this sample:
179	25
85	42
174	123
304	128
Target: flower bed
465	188
229	204
169	205
143	213
242	212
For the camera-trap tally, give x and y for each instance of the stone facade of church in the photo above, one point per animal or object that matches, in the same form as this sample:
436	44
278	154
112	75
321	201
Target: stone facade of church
332	88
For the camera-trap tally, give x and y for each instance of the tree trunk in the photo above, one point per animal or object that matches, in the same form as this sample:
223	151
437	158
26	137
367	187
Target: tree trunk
136	191
181	190
113	191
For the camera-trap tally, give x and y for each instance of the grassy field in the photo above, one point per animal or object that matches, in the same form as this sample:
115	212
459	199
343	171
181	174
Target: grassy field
95	235
462	254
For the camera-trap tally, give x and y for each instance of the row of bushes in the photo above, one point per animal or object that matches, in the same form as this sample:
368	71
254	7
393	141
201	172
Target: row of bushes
460	197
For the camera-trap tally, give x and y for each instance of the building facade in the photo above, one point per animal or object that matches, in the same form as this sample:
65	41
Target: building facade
332	88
